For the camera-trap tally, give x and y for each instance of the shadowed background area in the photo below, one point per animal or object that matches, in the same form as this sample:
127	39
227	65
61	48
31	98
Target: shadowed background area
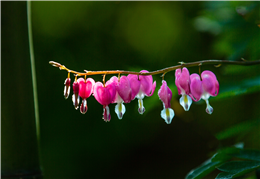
135	36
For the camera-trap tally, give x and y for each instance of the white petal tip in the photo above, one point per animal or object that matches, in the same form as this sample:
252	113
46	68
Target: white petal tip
141	110
185	102
209	109
167	114
120	110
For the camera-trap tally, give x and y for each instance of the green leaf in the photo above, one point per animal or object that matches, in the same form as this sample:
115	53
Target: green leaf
237	129
224	154
199	172
208	166
248	154
224	175
237	168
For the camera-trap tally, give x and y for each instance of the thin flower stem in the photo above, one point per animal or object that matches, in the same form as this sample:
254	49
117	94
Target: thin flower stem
34	82
162	71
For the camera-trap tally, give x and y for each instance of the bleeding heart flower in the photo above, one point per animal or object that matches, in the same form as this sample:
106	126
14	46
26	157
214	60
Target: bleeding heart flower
123	94
141	86
182	81
165	94
85	90
105	95
204	87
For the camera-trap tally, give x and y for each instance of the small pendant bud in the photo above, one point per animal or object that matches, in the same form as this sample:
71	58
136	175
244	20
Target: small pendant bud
83	106
67	88
75	96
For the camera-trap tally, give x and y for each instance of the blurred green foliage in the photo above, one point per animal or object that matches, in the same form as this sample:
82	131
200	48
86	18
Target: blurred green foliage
151	36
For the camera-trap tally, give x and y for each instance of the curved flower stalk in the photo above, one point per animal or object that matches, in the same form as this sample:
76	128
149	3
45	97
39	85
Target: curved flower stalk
204	87
141	86
165	95
105	95
123	94
85	90
182	81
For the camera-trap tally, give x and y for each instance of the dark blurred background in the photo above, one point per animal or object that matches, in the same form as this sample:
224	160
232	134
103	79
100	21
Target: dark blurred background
135	36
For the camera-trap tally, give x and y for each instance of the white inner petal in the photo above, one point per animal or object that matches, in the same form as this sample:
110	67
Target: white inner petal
108	112
209	109
167	114
185	102
140	95
141	108
120	110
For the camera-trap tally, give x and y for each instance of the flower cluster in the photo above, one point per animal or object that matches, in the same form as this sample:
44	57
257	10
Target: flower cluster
124	89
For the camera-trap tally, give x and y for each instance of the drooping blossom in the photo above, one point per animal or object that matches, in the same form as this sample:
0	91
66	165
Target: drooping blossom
165	95
67	88
182	81
123	94
141	85
75	96
105	94
85	90
204	87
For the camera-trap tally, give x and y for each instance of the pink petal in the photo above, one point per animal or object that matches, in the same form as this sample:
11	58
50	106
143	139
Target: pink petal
113	80
146	83
195	87
124	89
153	88
85	87
210	83
104	95
177	76
135	85
182	80
165	94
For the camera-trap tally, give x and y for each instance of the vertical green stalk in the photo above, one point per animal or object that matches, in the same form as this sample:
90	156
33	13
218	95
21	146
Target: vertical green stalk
34	83
19	112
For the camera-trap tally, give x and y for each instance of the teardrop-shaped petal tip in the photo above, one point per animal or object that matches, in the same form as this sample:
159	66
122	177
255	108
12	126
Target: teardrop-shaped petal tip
185	102
66	91
83	106
167	114
106	114
120	110
141	108
209	109
75	100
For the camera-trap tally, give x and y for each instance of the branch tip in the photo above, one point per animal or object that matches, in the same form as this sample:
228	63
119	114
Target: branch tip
55	64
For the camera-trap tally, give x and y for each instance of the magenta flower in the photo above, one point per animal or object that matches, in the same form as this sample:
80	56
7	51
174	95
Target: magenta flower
182	81
204	87
141	86
67	88
75	96
123	94
85	90
105	95
165	94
